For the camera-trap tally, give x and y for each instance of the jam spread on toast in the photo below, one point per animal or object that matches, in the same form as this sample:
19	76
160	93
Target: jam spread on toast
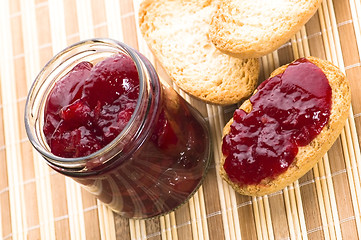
288	111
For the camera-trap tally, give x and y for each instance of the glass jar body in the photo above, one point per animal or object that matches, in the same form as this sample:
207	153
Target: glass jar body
155	164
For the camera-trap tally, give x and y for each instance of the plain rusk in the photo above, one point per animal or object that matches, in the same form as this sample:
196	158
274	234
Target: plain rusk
251	29
177	33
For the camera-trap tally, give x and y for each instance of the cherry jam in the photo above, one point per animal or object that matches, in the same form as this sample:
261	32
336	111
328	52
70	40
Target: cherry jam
103	118
90	106
288	111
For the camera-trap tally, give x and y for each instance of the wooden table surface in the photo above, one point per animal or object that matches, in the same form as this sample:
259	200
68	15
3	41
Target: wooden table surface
38	203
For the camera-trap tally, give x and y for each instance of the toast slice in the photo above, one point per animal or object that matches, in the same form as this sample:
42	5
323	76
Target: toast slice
308	155
251	29
177	33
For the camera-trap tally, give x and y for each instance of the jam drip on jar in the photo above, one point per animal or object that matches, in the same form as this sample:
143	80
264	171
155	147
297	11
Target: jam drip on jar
90	106
288	111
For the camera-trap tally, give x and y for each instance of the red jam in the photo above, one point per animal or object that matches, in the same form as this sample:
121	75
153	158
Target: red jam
288	111
90	106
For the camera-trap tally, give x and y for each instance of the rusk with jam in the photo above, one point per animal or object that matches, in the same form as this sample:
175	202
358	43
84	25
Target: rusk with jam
307	156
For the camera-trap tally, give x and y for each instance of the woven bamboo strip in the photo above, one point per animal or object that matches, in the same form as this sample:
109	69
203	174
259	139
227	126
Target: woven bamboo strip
355	7
137	229
321	204
42	180
11	127
257	219
332	197
174	226
353	161
299	44
327	30
114	23
168	227
265	66
276	59
85	19
198	216
294	47
326	201
1	223
271	63
142	45
203	214
102	223
334	223
324	34
237	230
75	209
143	229
162	227
268	218
291	228
262	217
133	232
216	154
106	222
336	38
228	212
351	181
301	215
294	210
304	39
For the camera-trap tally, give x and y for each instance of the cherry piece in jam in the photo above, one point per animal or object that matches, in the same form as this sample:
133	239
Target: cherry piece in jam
90	106
288	111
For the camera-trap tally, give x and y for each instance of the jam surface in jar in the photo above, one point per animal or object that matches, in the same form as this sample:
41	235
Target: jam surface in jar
288	111
90	106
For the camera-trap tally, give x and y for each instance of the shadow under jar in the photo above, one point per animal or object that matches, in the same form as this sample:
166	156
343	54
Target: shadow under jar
154	164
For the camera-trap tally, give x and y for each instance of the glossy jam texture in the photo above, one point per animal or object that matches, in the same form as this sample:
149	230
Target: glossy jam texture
288	111
90	106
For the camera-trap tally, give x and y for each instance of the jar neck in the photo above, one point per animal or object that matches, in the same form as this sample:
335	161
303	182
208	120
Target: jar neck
132	135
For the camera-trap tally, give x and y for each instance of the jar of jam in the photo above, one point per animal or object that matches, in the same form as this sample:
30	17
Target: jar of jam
133	142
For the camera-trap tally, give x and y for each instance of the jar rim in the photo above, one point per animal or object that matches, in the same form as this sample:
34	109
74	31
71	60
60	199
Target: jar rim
122	47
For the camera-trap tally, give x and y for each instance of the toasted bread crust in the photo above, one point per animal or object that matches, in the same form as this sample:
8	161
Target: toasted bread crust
177	33
309	155
251	29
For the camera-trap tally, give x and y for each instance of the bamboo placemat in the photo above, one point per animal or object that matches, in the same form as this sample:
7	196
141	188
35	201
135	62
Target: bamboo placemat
37	203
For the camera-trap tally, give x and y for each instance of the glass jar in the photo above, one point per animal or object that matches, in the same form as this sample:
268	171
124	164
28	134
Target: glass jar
134	175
